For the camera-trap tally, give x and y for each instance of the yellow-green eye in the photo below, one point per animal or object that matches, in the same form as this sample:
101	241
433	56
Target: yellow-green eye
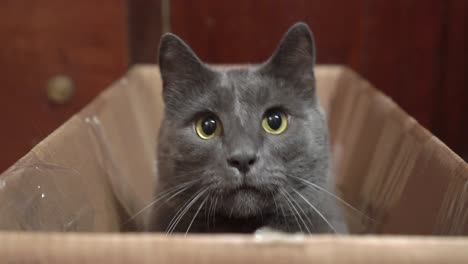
207	127
274	121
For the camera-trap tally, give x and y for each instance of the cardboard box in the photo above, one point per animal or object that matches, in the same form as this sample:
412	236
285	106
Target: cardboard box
97	170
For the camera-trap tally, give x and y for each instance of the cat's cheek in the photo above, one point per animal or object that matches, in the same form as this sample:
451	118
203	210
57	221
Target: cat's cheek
291	148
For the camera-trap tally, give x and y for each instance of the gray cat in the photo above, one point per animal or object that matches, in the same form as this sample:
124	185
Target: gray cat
242	149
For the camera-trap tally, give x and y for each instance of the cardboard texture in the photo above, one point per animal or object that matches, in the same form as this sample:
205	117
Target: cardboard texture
96	174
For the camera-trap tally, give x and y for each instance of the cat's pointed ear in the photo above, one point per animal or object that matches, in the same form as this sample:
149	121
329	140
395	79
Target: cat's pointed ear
179	65
295	56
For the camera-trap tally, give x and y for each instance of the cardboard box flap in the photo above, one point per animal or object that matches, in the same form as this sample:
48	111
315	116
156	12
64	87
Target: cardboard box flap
391	168
58	186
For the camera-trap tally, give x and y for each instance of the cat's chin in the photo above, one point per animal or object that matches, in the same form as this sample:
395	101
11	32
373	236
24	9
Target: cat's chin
244	203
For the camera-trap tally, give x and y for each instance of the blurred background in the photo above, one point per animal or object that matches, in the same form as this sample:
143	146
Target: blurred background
57	55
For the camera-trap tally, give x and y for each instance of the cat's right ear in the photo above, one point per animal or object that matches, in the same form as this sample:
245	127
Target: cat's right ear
294	58
180	67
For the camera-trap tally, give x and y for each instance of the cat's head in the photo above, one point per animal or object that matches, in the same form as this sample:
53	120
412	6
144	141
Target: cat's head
245	136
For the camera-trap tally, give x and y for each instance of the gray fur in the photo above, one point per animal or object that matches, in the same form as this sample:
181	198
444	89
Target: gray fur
240	97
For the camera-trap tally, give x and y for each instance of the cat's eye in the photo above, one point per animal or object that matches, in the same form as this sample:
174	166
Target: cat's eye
208	126
274	121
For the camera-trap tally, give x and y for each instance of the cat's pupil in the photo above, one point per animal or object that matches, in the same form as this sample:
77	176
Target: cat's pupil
208	125
274	120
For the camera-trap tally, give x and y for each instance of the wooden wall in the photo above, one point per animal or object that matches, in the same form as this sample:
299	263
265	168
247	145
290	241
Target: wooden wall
85	40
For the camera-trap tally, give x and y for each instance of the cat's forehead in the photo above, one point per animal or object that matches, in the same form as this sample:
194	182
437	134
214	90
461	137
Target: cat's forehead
242	93
245	84
237	76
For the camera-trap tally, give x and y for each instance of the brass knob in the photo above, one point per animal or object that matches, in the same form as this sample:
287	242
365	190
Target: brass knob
60	89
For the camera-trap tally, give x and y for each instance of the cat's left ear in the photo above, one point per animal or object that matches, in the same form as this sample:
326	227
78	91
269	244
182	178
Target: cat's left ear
294	59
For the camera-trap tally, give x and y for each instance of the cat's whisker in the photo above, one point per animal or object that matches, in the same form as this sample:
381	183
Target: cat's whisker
302	210
170	162
292	201
333	196
187	207
208	212
193	202
208	207
176	215
230	213
280	206
188	174
274	200
196	213
214	210
211	209
191	182
174	190
261	214
316	210
284	214
291	209
178	192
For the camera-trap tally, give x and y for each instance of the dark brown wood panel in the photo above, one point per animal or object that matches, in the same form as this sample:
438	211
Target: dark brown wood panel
85	40
248	31
145	28
451	120
413	51
402	45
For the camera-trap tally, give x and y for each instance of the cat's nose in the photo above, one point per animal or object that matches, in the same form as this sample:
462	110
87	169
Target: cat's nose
242	161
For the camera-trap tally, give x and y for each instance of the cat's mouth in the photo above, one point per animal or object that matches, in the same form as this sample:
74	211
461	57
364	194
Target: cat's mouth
246	188
244	200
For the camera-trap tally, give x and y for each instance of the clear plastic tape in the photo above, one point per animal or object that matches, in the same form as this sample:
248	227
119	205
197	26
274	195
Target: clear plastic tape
124	144
99	188
32	191
42	195
117	180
